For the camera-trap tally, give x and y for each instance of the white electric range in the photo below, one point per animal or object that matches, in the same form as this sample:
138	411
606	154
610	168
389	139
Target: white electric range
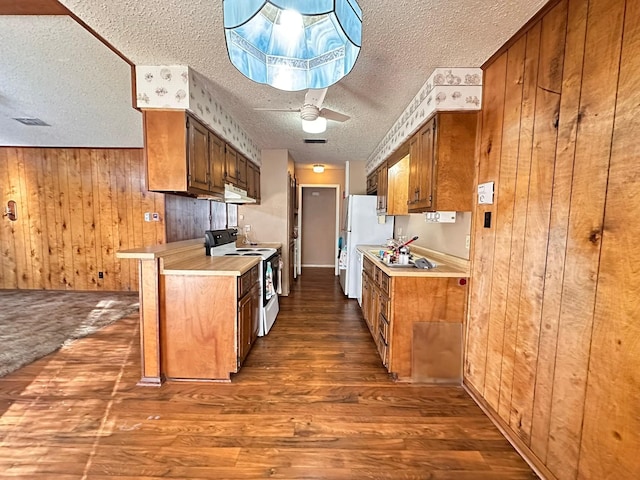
222	243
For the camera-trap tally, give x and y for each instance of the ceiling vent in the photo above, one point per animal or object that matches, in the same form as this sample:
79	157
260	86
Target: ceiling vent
315	140
32	122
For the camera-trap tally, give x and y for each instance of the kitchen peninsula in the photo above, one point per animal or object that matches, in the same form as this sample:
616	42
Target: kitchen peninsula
199	315
415	315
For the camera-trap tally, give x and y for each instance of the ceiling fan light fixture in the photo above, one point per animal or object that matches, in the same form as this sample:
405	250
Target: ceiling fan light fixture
319	125
293	44
318	168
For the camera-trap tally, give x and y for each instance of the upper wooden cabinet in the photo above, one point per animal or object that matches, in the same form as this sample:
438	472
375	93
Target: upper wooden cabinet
398	187
372	183
198	155
184	156
253	181
381	190
236	168
441	165
216	163
181	154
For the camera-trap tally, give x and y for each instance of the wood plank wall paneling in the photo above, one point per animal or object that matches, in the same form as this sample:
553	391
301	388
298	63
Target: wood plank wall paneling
613	387
588	195
552	32
504	220
484	238
188	217
553	340
558	225
76	208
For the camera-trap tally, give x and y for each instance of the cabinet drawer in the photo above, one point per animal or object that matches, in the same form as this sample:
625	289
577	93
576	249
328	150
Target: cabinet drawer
367	266
383	326
246	281
384	281
384	305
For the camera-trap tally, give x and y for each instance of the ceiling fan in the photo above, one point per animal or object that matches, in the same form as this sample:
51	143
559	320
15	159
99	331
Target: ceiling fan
312	109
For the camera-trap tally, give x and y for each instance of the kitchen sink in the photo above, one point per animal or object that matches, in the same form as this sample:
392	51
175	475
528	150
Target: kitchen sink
412	259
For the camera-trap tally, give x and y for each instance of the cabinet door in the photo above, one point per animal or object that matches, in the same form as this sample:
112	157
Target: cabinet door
421	170
216	163
256	184
198	155
231	168
366	296
372	183
398	187
245	326
382	188
425	169
251	188
241	166
414	160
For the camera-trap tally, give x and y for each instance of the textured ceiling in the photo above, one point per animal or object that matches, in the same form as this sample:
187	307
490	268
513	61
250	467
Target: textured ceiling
403	41
81	89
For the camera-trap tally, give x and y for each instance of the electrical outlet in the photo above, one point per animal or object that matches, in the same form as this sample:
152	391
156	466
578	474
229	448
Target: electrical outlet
247	228
467	242
155	216
147	216
100	275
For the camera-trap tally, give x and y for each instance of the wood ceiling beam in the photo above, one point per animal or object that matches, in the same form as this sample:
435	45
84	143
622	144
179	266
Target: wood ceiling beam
32	7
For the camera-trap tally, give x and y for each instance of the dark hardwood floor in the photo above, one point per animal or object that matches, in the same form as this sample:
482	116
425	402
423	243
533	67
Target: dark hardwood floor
312	402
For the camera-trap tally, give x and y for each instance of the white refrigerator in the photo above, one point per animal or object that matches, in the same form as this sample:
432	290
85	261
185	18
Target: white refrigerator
361	227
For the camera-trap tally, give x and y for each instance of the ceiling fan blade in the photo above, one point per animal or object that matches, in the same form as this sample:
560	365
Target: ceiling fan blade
315	96
332	115
264	109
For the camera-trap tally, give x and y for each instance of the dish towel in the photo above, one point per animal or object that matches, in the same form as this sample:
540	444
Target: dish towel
280	266
269	287
342	262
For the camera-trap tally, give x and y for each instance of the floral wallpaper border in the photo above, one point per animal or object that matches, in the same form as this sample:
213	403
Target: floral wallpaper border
447	89
181	87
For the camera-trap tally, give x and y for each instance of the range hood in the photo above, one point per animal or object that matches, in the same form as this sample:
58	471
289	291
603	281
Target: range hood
233	194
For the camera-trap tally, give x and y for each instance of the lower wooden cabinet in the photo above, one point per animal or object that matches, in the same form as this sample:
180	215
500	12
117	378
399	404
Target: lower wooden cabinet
208	324
248	321
416	324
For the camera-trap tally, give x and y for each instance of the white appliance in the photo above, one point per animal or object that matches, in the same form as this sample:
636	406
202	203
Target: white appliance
361	227
223	243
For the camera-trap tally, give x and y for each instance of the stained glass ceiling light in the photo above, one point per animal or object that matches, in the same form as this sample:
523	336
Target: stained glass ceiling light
293	44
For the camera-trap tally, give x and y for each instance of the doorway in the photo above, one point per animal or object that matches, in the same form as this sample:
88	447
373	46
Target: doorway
318	226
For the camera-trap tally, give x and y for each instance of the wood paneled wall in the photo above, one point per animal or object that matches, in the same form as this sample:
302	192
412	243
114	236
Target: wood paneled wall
187	217
553	333
76	208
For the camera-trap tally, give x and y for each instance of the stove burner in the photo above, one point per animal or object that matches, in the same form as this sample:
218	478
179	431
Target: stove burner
244	249
232	254
254	254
